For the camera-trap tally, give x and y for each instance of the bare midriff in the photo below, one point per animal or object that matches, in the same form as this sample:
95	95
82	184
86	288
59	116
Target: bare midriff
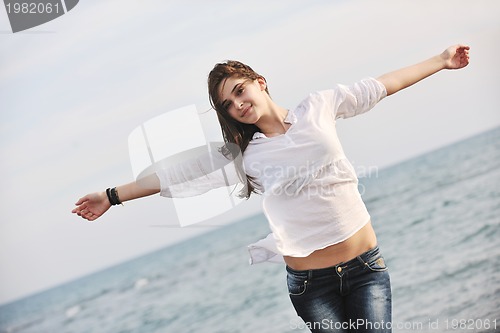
362	241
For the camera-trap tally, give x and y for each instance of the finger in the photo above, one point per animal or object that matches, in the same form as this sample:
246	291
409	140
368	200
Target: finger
463	49
78	209
82	210
82	200
90	213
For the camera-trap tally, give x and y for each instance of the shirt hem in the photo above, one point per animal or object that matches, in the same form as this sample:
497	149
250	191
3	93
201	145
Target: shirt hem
300	255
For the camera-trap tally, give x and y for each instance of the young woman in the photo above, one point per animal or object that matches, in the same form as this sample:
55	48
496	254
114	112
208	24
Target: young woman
337	278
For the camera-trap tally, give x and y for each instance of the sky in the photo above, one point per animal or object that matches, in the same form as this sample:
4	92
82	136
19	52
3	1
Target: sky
73	89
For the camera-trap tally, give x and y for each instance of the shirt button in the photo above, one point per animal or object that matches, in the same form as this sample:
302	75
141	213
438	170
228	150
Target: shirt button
339	269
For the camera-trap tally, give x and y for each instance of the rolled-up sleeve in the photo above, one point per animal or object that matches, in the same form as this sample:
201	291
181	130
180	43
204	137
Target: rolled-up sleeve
198	175
358	98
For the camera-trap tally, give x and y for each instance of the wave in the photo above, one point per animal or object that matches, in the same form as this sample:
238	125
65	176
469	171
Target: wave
72	311
141	283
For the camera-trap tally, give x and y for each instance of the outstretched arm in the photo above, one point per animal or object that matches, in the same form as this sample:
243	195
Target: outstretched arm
454	57
94	205
182	174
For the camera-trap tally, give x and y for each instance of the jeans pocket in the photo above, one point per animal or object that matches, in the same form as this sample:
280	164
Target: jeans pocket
297	286
377	264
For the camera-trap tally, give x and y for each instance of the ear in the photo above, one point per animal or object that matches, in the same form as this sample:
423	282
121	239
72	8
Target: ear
262	83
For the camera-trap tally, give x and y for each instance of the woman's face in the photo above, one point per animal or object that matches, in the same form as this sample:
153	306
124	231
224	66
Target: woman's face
244	99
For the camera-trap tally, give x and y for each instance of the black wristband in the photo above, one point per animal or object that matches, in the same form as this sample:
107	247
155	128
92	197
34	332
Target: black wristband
108	190
113	196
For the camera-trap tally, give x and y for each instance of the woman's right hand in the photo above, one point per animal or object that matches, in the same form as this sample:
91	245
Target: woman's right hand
92	206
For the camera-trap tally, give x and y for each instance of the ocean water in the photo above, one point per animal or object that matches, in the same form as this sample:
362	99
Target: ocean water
437	218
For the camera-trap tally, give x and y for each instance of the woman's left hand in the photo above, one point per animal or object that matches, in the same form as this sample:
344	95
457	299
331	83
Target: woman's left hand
456	56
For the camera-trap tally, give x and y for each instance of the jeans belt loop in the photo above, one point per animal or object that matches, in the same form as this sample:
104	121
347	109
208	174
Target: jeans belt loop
362	261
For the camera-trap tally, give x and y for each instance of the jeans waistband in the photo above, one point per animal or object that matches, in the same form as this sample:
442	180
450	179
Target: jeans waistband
356	262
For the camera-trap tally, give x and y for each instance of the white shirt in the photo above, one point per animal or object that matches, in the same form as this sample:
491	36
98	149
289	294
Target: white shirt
310	189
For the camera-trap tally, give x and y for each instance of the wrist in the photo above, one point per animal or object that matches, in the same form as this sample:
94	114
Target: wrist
104	198
113	197
442	60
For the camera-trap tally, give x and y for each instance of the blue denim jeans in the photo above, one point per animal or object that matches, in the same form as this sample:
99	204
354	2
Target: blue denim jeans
354	296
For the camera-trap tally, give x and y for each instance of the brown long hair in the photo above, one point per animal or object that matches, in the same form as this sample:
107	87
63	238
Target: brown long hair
232	130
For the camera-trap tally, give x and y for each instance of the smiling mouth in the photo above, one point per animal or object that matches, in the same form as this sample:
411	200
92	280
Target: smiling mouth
245	111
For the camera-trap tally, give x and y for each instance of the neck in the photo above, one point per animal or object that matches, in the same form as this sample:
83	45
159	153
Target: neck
272	123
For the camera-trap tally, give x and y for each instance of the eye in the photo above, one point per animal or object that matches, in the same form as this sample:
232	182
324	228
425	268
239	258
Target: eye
227	105
240	91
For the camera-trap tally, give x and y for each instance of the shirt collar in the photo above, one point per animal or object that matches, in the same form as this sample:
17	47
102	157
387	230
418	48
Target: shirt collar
290	118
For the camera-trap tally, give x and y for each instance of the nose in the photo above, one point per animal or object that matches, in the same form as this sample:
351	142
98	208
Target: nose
238	104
